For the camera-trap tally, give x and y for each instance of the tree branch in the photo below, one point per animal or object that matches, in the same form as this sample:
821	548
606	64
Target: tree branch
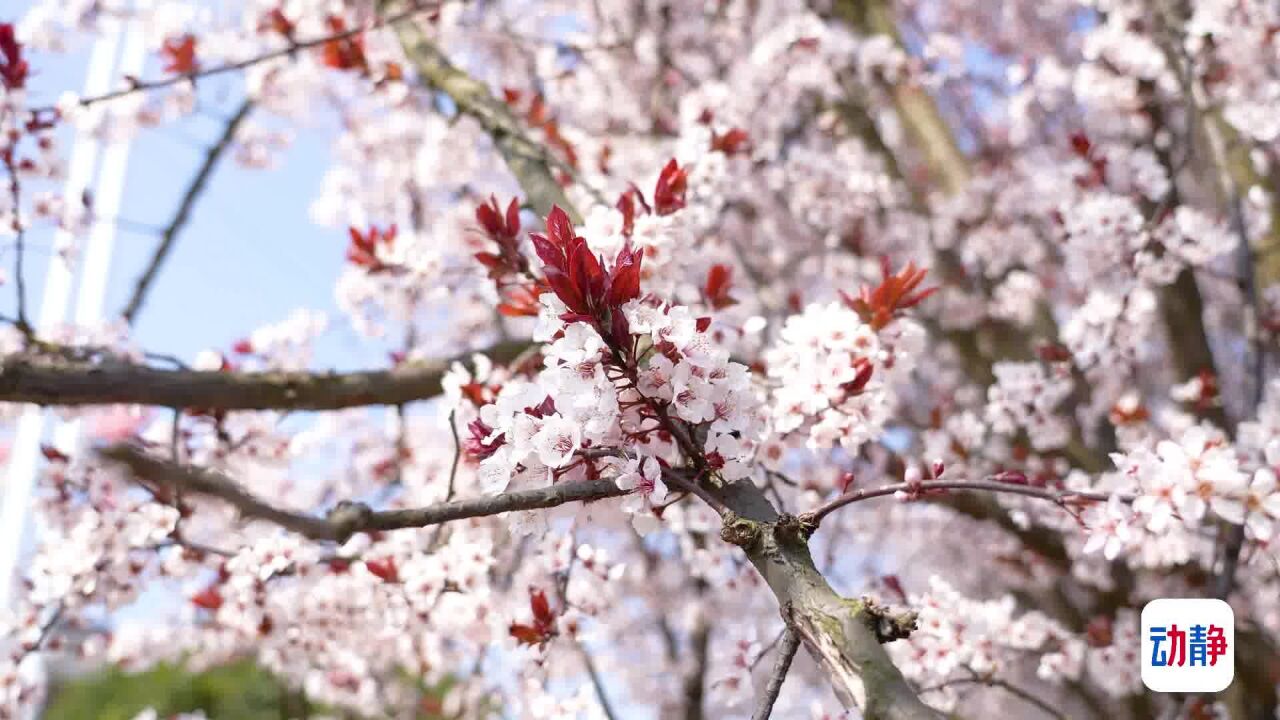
916	109
787	652
844	636
596	682
293	47
528	161
42	380
175	226
346	519
1059	497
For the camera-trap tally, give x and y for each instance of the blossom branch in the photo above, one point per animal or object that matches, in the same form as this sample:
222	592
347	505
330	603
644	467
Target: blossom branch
30	378
1058	497
293	47
347	518
170	233
786	653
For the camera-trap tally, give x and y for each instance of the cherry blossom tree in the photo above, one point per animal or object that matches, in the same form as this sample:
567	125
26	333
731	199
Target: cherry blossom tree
846	358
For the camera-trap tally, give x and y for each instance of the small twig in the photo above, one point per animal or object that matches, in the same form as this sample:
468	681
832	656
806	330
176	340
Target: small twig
1058	497
786	653
1008	687
175	226
20	230
596	682
694	486
457	454
46	630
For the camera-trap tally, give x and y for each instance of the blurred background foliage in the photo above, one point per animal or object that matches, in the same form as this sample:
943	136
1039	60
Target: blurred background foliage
237	691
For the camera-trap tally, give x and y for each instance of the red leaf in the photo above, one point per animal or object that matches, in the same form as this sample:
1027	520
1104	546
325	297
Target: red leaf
895	293
541	607
384	568
627	206
860	380
587	274
734	141
521	301
702	324
180	54
496	225
894	584
544	622
209	598
559	227
53	454
276	21
668	196
363	248
526	634
548	252
13	68
716	288
242	347
346	53
624	281
1080	144
565	289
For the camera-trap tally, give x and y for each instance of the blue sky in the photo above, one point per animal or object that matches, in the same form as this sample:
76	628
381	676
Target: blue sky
249	254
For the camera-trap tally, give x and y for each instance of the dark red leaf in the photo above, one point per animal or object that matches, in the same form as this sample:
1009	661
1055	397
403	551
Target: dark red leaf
13	68
209	598
541	607
668	196
179	54
734	141
384	568
526	634
559	227
345	53
566	291
716	288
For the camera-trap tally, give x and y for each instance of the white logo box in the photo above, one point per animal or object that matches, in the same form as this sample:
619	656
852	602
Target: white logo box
1187	678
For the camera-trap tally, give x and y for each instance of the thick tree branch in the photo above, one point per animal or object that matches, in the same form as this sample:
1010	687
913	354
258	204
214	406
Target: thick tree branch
528	161
844	636
786	653
346	519
695	679
44	380
179	221
1181	305
920	117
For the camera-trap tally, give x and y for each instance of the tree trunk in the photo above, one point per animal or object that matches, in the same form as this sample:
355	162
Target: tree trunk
844	636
